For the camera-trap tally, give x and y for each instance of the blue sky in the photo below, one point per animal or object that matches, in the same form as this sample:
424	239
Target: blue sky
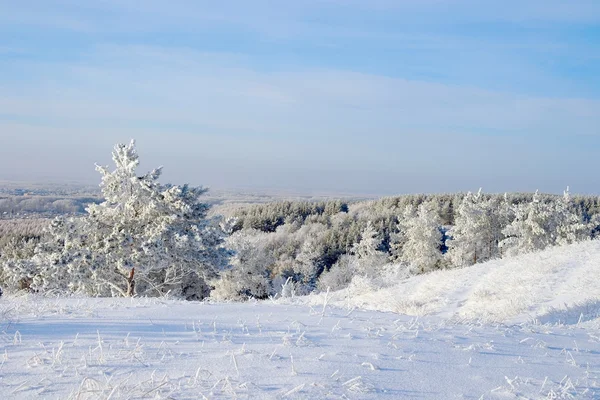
377	97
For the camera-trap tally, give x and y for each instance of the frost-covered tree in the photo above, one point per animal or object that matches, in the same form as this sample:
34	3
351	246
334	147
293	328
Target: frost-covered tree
540	224
369	258
307	261
248	276
532	228
51	268
369	242
464	246
145	238
422	238
570	227
476	232
46	264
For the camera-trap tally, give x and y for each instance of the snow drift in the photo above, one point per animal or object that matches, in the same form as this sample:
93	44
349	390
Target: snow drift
557	285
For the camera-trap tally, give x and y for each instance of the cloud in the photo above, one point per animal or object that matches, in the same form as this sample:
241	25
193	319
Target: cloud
192	111
129	84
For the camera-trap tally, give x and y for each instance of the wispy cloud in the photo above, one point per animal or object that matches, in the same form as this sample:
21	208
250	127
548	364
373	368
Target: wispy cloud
393	91
181	86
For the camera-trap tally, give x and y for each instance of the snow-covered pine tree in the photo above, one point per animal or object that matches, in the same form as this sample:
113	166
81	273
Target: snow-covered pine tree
569	225
38	271
464	245
506	215
532	228
476	231
422	238
368	244
307	260
145	237
369	259
64	247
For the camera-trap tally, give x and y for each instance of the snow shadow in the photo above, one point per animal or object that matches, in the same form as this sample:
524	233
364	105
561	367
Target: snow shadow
113	328
572	315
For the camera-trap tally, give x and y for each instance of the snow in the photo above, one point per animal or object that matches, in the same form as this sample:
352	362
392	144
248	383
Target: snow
543	285
469	340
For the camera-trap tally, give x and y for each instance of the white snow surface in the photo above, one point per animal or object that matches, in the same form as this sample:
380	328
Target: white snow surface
557	285
526	327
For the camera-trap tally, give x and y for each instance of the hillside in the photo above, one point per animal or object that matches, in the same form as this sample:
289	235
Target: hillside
328	346
559	284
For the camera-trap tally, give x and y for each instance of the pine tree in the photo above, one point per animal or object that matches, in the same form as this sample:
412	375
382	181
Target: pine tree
539	224
531	229
368	244
506	215
476	231
422	238
368	258
145	238
307	260
570	227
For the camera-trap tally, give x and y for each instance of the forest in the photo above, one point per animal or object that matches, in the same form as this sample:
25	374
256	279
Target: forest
153	239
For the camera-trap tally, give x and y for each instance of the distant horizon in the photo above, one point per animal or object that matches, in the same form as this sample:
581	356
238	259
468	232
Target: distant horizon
275	192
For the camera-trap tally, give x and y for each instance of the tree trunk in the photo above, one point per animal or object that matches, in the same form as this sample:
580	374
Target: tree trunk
131	283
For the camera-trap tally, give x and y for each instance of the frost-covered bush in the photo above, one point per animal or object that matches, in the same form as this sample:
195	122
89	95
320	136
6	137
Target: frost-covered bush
360	284
340	274
233	285
249	273
366	259
17	274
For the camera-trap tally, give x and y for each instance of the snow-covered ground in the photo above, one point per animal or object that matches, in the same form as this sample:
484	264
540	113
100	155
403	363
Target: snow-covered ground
557	285
476	338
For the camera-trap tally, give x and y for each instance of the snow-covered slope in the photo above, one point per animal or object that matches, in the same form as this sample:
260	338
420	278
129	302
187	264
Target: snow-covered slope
556	285
330	348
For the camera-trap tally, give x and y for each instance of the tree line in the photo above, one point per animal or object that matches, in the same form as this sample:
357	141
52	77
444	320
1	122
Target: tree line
407	234
151	239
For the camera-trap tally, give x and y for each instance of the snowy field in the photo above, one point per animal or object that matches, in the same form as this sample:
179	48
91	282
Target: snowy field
148	348
544	344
